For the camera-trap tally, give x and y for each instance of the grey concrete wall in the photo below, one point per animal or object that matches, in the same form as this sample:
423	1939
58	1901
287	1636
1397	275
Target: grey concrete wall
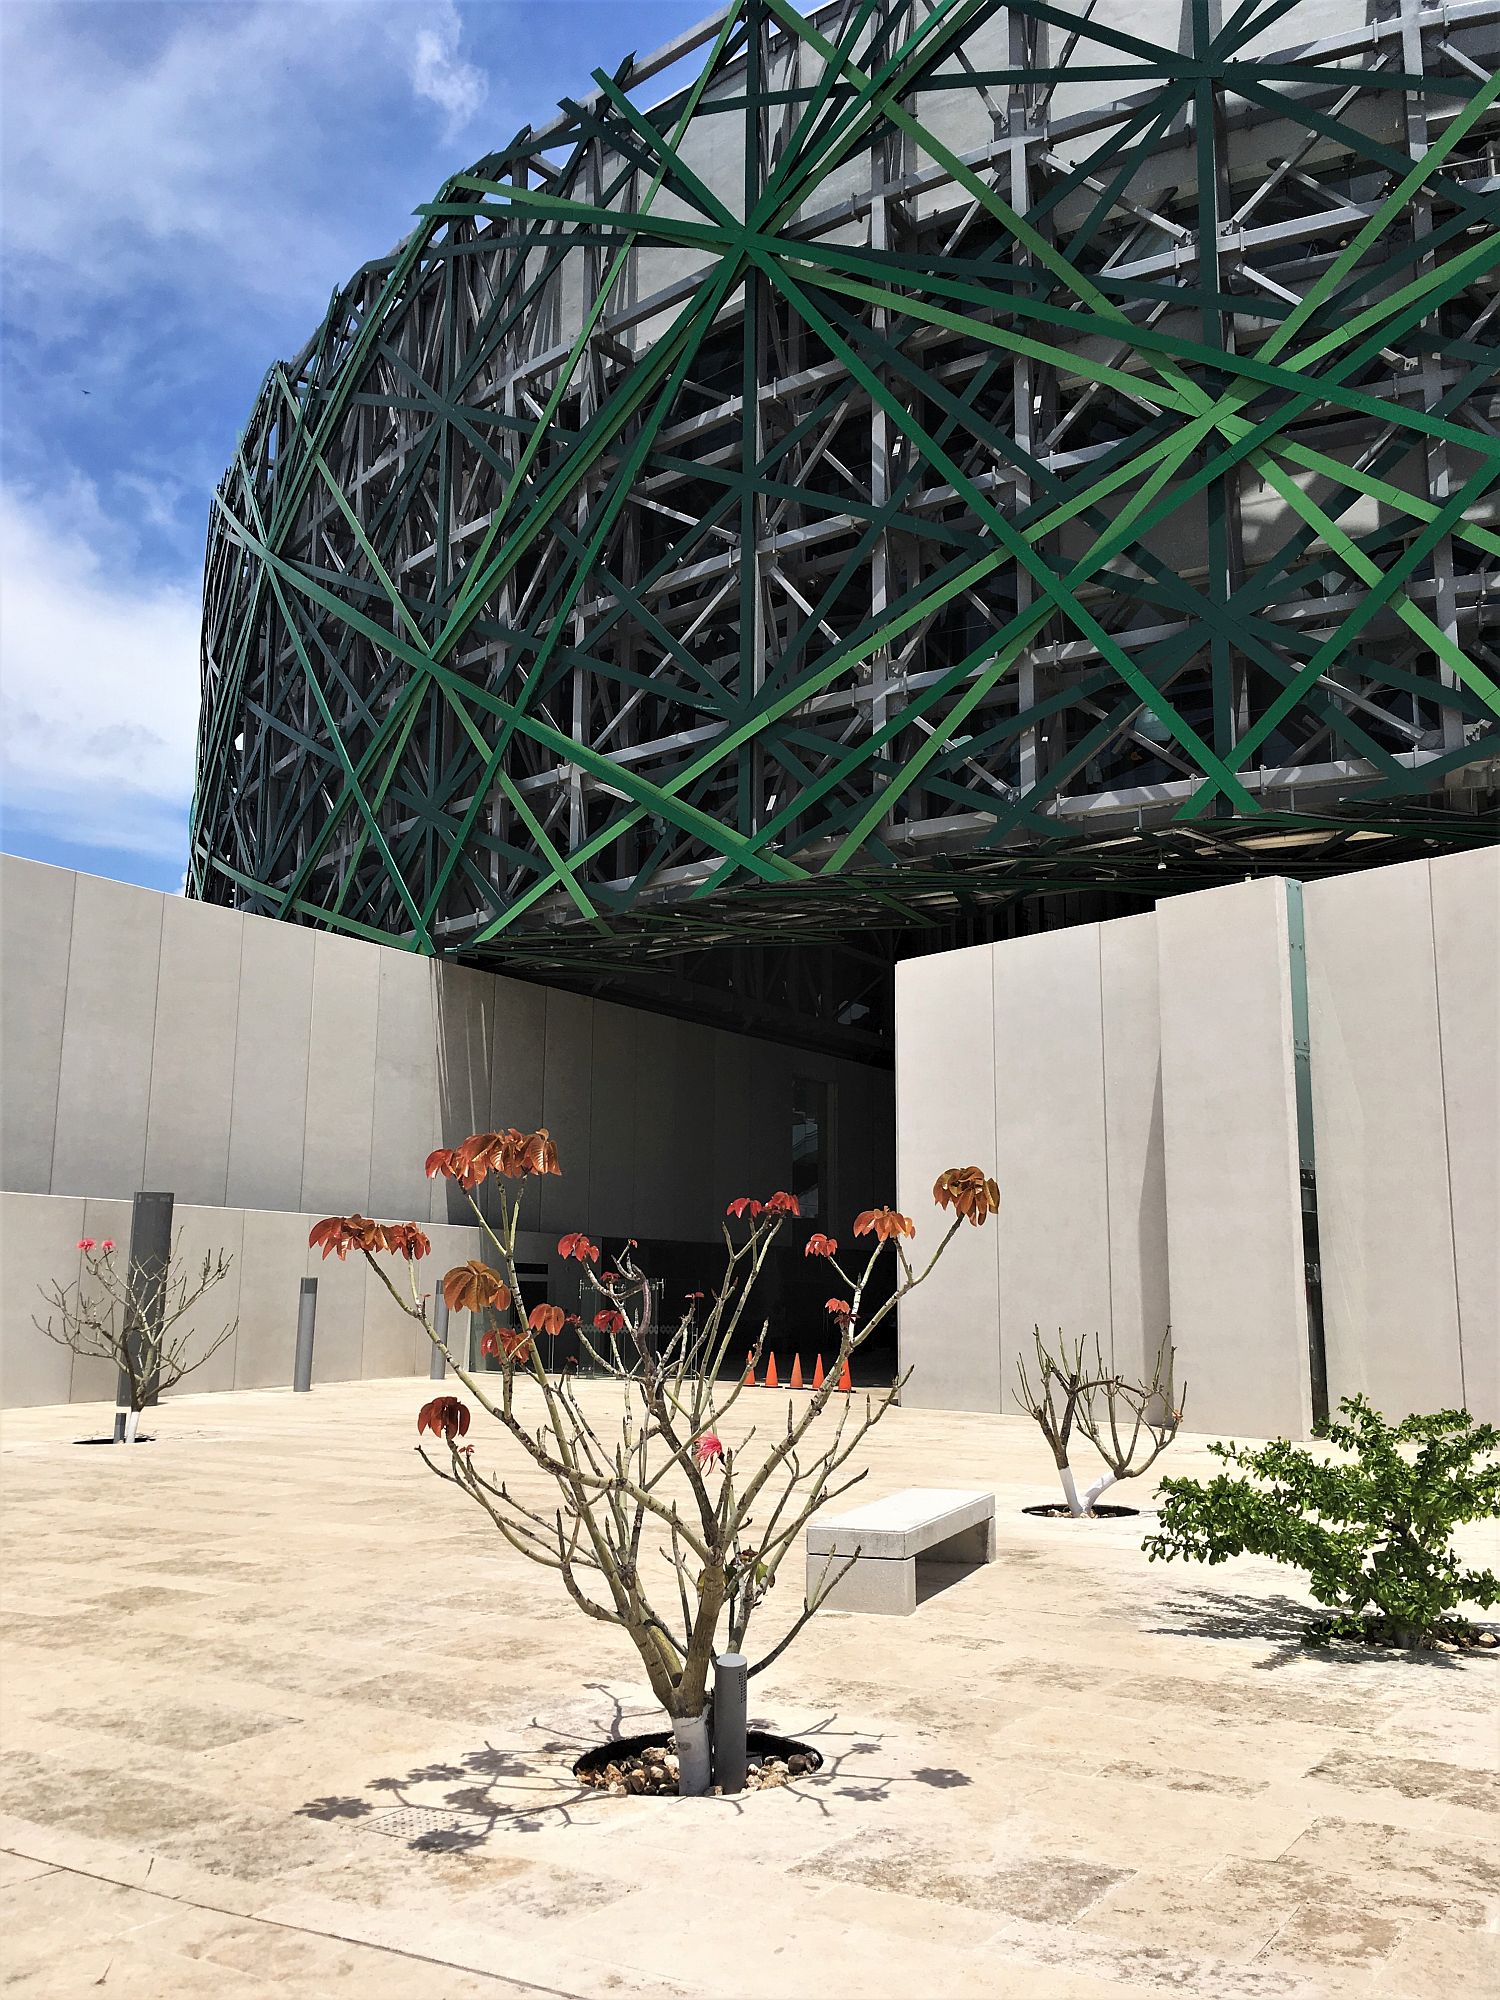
945	1117
1038	1060
282	1074
1403	975
1229	1123
1132	1084
361	1333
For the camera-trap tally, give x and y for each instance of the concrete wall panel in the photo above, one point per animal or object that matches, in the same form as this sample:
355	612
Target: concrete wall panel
464	1000
567	1107
1139	1289
1390	1304
109	1026
38	1246
388	1344
518	1087
450	1245
198	1233
405	1120
339	1341
338	1129
268	1120
1466	933
274	1261
192	1067
93	1379
945	1116
662	1177
36	908
1048	1149
1239	1315
611	1208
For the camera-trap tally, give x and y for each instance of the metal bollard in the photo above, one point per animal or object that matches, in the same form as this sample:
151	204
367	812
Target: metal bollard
149	1267
437	1367
307	1313
731	1702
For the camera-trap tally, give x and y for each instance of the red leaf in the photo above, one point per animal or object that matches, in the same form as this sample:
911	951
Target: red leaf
884	1224
576	1244
343	1233
404	1239
444	1416
820	1246
473	1287
972	1194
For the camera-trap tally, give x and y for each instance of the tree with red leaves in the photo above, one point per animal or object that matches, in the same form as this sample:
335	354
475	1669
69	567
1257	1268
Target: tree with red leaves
675	1472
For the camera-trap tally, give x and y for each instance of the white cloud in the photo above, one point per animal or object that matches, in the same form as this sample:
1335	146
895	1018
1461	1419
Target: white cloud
235	149
440	75
183	188
98	682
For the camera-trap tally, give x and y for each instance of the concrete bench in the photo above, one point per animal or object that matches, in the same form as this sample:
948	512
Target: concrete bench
933	1524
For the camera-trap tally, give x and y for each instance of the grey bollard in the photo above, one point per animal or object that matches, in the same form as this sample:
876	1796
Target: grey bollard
437	1367
731	1701
149	1269
307	1313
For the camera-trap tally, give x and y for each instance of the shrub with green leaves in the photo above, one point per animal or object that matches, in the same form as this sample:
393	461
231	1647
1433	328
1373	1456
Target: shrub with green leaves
1372	1530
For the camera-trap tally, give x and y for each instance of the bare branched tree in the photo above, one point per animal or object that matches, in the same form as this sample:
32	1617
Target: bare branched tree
658	1526
139	1320
1129	1424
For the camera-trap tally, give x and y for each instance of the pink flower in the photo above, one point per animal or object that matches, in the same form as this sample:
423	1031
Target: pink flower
107	1245
707	1449
85	1242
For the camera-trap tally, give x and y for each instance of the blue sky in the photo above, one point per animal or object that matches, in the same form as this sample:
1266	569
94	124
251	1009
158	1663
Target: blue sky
181	187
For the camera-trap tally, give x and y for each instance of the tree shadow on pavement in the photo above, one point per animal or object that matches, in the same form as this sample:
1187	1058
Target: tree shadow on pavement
481	1786
1282	1622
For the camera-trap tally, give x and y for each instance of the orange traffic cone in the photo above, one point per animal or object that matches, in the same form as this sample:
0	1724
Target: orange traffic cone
796	1381
772	1380
749	1382
846	1380
818	1373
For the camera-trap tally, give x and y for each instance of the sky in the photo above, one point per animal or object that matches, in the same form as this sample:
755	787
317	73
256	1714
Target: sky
182	186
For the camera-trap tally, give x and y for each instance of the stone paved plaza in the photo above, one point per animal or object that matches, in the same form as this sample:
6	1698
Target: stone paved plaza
282	1715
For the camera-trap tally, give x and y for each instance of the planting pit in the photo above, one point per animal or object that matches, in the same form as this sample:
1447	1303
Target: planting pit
647	1766
1058	1510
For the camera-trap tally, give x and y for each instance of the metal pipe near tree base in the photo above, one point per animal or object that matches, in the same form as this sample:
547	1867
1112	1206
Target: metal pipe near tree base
731	1702
437	1366
307	1315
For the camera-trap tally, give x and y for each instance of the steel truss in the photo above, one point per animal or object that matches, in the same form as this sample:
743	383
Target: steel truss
949	452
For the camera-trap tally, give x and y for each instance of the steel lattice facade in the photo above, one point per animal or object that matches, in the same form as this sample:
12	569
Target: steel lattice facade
946	452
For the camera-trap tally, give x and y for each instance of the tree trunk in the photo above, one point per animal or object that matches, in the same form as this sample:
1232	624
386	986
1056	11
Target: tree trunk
694	1769
1070	1489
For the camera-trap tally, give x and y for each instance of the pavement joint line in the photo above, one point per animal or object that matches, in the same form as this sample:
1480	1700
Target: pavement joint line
298	1930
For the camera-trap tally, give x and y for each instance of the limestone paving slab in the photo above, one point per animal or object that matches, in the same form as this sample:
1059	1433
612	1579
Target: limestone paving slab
278	1715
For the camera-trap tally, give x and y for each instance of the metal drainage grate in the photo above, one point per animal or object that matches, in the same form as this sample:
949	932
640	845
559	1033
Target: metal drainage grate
428	1823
